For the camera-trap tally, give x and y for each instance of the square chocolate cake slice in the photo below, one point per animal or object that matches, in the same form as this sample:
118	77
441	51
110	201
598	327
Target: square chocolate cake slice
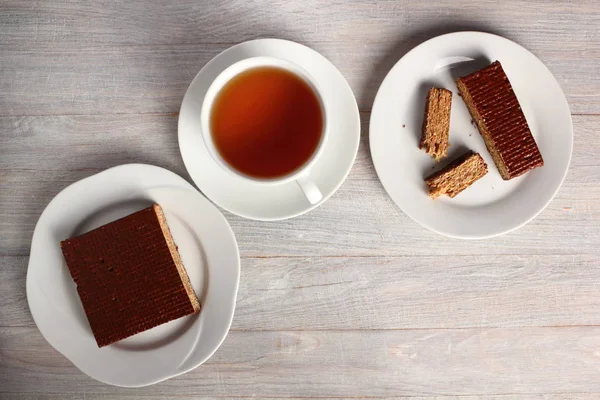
129	276
493	105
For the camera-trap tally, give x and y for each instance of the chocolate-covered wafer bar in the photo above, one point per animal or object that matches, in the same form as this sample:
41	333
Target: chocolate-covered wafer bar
493	105
129	276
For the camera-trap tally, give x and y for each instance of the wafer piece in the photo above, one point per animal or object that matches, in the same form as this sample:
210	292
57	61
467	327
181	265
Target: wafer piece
129	276
436	123
493	105
457	176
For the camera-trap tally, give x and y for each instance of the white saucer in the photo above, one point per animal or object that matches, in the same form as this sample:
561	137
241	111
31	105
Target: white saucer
255	201
208	250
491	206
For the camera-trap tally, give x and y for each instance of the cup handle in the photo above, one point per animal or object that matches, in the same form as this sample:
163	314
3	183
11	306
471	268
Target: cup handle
311	191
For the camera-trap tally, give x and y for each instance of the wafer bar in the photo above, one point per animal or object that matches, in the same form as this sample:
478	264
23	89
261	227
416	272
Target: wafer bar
457	176
493	105
129	276
436	123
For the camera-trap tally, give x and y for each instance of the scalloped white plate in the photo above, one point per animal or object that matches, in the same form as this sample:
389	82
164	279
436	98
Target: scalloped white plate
491	206
208	249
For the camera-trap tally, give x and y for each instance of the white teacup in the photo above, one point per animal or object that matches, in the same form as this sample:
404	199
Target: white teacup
302	174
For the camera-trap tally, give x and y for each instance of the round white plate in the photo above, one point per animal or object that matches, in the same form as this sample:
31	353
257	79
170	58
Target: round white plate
283	201
208	250
491	206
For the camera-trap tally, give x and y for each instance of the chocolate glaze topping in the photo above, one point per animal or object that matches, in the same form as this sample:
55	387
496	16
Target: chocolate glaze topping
126	277
494	98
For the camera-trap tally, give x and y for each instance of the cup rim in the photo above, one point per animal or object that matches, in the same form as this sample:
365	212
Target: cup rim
232	71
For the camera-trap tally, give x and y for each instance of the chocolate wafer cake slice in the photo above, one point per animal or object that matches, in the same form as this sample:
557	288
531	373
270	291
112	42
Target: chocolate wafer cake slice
129	276
457	176
493	105
436	123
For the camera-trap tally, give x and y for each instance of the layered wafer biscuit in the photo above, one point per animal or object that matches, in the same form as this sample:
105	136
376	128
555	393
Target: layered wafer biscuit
129	276
457	176
493	105
436	123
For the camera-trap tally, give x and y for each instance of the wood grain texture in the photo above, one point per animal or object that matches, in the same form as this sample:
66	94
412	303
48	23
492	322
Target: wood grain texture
65	57
427	362
143	22
353	300
63	80
322	293
94	396
45	154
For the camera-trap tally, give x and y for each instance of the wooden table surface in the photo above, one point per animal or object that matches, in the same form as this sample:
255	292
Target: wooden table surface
353	300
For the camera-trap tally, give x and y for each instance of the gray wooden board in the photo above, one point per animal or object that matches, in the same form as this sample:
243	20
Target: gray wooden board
354	299
365	363
94	396
64	57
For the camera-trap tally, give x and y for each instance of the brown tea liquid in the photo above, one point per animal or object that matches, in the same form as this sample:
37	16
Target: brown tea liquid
266	122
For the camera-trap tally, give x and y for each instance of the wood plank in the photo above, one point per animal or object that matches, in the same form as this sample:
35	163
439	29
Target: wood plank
417	292
344	364
143	22
94	396
42	155
304	293
62	57
62	80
